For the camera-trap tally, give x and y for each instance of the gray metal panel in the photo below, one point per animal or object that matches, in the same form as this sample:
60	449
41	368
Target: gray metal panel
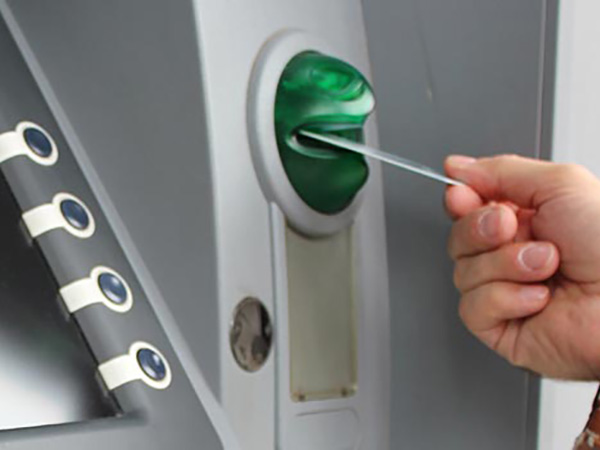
544	150
451	76
173	418
127	77
549	78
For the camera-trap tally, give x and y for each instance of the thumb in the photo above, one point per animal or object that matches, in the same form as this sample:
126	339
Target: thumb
524	181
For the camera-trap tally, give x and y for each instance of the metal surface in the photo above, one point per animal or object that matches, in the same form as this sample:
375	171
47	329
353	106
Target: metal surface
48	373
151	418
452	77
124	81
251	334
250	232
129	90
394	160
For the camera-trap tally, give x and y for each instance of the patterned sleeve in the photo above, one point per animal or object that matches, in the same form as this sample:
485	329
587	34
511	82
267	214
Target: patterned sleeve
590	438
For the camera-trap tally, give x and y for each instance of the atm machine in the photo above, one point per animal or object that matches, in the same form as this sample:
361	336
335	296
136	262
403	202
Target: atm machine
180	269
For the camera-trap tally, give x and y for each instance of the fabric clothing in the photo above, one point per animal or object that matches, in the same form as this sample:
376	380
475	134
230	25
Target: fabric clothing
590	438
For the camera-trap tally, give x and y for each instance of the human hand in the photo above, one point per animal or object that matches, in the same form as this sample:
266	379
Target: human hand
526	246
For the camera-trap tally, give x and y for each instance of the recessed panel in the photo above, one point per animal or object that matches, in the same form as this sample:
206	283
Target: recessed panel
322	318
48	375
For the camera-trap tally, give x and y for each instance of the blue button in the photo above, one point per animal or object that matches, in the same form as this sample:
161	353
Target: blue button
75	214
112	288
152	364
38	142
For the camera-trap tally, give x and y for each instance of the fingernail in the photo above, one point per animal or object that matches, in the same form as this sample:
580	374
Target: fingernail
489	223
458	161
533	293
535	256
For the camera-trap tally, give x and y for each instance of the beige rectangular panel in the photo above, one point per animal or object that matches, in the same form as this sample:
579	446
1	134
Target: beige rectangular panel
322	318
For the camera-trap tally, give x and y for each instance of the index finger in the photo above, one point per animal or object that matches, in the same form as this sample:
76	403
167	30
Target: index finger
524	181
461	200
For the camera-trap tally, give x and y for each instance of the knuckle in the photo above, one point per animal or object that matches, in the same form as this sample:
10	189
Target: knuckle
463	312
450	241
457	276
455	241
500	158
469	308
571	173
508	157
470	272
494	297
451	247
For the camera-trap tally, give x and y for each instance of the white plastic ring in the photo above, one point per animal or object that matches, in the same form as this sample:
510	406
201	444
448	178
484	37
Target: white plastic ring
49	216
13	143
125	368
87	291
